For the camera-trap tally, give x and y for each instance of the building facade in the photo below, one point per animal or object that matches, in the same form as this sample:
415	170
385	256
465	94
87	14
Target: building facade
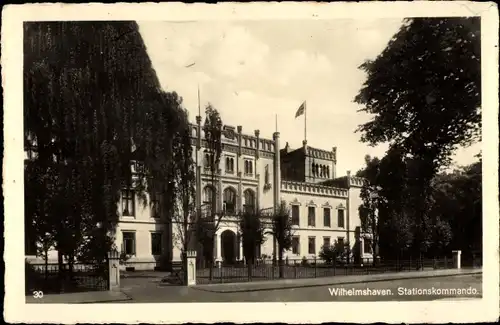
254	174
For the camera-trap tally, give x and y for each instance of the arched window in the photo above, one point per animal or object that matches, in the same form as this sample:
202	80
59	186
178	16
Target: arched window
328	171
230	200
248	167
208	192
314	169
229	165
249	204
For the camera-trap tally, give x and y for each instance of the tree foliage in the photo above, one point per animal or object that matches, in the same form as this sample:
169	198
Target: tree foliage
424	88
208	226
282	231
334	254
90	93
453	220
252	231
423	93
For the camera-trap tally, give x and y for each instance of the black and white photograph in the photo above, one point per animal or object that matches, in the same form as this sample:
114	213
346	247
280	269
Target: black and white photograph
301	159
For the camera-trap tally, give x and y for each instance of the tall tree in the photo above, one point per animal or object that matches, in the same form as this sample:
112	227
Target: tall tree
184	216
89	89
207	227
428	69
282	231
252	234
369	209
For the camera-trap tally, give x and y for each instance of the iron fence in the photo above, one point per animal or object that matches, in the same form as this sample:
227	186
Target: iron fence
311	268
50	278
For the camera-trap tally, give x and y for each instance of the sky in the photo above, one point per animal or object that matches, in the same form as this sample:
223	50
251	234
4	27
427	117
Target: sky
255	71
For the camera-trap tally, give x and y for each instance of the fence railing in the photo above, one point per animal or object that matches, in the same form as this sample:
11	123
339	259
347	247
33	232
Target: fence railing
311	268
50	278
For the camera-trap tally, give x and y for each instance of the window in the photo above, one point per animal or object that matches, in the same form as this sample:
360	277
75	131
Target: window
230	200
266	175
295	245
367	246
206	160
326	241
128	203
340	241
249	205
340	217
295	215
155	206
326	217
129	242
311	216
248	167
207	198
230	165
156	243
312	245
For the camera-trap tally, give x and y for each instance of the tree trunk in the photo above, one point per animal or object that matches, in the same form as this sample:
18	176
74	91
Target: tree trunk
60	269
46	257
211	261
280	263
249	268
274	249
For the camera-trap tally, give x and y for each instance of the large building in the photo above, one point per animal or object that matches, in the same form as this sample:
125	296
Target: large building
255	174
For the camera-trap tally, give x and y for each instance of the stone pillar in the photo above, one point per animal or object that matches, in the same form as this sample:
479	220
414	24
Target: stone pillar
457	259
276	185
190	268
240	247
218	248
257	149
114	270
333	174
276	172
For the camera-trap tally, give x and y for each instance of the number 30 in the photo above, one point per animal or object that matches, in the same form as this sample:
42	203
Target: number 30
37	294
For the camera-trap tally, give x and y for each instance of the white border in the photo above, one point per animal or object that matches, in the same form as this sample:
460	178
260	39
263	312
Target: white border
16	310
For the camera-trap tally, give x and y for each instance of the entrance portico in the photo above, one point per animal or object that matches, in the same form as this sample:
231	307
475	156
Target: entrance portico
229	247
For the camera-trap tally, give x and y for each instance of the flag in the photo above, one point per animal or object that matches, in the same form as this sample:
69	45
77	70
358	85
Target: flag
301	110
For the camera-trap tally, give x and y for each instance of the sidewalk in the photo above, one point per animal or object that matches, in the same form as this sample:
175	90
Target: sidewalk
314	282
80	298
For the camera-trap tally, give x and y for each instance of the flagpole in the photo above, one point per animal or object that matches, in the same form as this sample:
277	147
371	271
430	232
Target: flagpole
305	121
276	121
199	106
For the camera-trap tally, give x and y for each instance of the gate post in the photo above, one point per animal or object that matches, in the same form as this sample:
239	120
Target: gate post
457	259
190	268
114	270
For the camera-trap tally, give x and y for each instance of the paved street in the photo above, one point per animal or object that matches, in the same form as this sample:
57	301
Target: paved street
144	290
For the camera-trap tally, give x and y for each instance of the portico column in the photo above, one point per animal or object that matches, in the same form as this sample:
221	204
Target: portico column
218	245
240	247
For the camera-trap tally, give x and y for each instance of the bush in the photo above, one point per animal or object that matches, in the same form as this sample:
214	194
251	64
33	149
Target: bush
328	254
304	261
336	253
